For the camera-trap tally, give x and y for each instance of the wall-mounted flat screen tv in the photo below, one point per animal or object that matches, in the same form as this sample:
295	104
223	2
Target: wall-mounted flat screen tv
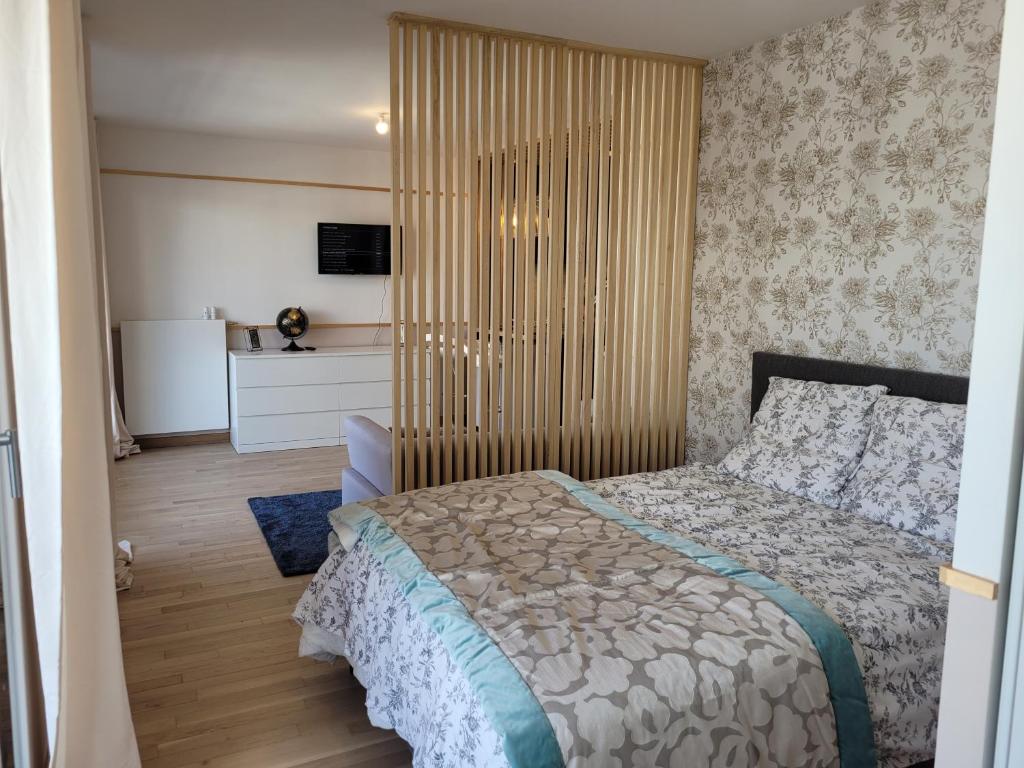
353	249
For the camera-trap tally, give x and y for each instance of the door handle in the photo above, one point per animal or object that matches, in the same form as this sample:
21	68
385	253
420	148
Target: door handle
9	440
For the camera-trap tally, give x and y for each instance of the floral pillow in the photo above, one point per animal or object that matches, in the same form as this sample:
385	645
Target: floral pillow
806	438
909	476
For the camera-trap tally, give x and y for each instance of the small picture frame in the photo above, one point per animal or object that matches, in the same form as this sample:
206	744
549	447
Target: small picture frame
253	342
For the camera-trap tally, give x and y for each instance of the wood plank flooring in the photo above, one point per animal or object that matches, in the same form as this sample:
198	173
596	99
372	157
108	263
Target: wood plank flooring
210	649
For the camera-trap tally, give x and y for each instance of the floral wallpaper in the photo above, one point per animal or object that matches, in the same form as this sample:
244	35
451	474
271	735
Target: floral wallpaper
841	199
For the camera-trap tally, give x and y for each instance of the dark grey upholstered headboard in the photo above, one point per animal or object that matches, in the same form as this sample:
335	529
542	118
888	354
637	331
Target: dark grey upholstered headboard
937	387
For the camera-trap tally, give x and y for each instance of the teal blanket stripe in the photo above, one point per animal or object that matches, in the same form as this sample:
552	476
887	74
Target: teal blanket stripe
854	732
513	711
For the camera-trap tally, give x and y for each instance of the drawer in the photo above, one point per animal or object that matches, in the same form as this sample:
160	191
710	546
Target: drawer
287	371
365	368
380	415
302	398
292	426
365	394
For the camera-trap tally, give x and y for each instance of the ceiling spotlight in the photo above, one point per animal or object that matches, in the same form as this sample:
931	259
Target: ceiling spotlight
382	124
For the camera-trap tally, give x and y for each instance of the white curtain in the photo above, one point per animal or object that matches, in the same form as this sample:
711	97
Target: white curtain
122	442
58	362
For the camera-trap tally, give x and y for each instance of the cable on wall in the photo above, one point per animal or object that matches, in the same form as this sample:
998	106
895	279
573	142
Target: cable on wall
380	315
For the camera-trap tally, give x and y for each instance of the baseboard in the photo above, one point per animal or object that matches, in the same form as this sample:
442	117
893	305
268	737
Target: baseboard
186	438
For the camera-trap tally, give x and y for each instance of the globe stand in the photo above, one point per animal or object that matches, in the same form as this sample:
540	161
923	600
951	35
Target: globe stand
293	347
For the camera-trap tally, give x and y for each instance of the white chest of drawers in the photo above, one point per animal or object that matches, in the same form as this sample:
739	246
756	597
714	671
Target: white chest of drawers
280	400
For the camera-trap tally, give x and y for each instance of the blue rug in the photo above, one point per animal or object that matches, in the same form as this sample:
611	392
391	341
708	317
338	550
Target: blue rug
296	528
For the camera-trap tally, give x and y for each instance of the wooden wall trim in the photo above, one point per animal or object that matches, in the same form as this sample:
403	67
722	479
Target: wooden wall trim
242	179
234	325
968	582
580	45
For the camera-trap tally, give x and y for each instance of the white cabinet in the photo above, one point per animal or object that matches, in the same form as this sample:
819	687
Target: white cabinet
174	376
282	400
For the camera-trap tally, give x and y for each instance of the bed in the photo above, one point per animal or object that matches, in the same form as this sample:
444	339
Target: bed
681	617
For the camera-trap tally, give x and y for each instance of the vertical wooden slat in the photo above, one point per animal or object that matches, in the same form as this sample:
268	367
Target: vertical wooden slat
520	279
672	210
609	461
459	335
582	256
580	261
508	333
600	360
540	400
410	267
638	259
475	167
497	263
487	252
556	260
650	261
573	244
693	124
648	249
641	257
397	131
629	350
436	310
447	350
672	256
423	259
529	259
590	282
656	439
620	158
485	257
566	296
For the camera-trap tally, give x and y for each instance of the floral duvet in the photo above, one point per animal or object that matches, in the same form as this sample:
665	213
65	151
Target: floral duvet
528	621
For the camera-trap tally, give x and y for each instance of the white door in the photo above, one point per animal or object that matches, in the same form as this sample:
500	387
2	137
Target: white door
1010	732
980	607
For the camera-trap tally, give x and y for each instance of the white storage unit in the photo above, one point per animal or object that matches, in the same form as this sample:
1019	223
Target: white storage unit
281	400
174	376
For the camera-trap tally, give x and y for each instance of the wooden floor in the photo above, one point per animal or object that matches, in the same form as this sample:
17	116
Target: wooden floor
210	649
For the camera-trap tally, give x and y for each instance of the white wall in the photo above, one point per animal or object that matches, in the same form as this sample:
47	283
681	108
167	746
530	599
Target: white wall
177	245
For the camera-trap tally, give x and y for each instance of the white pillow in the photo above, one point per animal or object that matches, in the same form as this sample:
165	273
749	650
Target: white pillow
806	438
909	476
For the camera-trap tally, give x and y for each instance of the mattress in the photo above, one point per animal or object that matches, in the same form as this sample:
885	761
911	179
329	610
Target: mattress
878	584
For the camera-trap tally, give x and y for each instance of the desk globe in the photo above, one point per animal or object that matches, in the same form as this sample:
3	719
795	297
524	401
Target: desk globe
293	323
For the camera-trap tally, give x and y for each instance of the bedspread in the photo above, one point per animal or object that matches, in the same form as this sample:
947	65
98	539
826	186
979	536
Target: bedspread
615	632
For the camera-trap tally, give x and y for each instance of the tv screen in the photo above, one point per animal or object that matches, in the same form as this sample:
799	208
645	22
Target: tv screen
353	249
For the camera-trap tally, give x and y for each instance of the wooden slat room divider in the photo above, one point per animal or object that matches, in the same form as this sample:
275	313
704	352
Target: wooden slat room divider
543	209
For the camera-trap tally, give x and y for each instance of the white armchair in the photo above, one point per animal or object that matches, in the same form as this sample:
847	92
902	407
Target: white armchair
369	453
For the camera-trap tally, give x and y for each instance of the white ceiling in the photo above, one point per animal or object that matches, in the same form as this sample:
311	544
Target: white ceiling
316	70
